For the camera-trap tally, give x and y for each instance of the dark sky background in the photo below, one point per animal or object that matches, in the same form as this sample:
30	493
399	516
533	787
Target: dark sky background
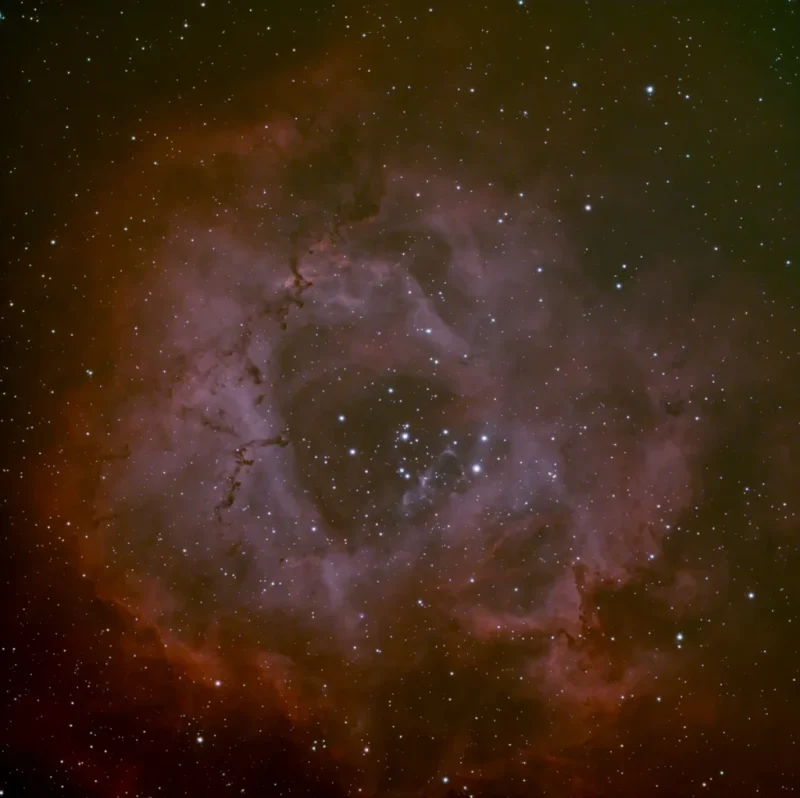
400	399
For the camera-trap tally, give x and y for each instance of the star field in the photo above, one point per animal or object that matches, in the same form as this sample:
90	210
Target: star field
401	399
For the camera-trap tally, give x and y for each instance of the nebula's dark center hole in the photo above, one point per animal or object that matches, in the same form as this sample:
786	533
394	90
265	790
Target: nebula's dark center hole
364	442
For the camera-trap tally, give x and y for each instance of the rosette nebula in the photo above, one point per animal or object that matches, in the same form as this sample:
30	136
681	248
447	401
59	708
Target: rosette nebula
403	401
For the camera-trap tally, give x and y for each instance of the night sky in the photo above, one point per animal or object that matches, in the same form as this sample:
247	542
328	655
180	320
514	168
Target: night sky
400	399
